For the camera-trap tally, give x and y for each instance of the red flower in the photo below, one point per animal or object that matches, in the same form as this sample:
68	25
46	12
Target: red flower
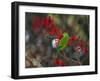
51	32
47	21
59	62
59	36
70	43
73	38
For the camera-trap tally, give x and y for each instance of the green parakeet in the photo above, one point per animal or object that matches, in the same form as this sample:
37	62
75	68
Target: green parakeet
64	40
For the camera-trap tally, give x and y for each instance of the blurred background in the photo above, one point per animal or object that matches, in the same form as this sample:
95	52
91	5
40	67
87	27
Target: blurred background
38	41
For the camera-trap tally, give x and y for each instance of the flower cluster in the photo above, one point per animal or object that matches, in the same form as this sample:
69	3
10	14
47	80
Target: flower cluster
48	24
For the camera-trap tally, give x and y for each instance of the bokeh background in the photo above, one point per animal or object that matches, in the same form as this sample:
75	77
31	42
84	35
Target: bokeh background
38	42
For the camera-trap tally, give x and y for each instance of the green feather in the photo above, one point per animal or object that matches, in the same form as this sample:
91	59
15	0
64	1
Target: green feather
64	40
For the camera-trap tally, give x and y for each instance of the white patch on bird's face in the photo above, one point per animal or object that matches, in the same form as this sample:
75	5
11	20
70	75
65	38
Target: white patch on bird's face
55	43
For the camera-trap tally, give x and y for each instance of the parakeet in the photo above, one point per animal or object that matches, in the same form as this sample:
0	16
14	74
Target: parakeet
63	42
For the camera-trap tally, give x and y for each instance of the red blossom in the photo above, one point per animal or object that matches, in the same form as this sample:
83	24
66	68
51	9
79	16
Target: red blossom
70	43
47	21
59	62
59	36
73	38
52	32
50	27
